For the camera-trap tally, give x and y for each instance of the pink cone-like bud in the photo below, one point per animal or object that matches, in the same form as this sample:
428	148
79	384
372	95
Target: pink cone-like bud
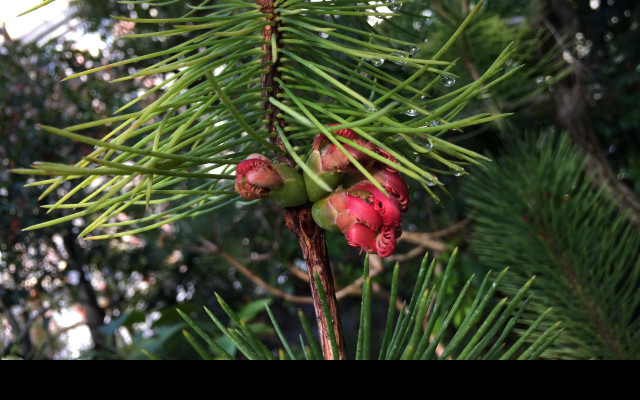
387	207
355	210
340	211
256	176
333	159
394	184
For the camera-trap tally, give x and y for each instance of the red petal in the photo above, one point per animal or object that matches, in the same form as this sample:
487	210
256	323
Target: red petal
361	236
363	212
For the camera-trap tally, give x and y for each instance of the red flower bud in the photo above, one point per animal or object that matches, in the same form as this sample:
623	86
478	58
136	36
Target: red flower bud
387	207
256	177
334	160
354	210
340	211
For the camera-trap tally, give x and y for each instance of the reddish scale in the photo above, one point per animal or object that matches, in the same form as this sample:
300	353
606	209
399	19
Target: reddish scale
394	184
361	236
320	140
369	219
333	159
389	157
386	242
347	133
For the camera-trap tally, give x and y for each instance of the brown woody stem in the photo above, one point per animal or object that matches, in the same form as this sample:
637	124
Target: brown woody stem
310	236
314	250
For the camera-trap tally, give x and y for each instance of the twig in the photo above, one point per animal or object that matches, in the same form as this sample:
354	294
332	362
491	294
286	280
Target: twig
354	289
443	13
413	253
424	240
211	248
5	34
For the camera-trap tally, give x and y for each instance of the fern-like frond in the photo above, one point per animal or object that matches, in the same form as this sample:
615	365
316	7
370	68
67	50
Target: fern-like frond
539	213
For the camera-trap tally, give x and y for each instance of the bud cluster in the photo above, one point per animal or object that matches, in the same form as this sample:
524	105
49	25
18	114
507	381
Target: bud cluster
369	218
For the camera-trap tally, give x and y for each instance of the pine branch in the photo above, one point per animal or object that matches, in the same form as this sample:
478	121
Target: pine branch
540	213
573	113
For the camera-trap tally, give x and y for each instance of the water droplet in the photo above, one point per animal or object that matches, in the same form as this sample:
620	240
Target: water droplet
429	144
447	80
413	49
377	62
412	113
401	55
459	171
431	182
567	56
394	5
622	174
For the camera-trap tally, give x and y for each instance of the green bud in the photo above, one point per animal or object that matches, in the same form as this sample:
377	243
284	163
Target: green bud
292	193
324	214
315	192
